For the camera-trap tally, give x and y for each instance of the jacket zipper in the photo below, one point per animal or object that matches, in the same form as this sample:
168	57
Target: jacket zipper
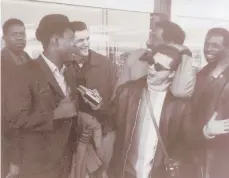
131	138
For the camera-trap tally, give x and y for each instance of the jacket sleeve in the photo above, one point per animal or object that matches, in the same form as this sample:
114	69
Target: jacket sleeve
25	110
184	80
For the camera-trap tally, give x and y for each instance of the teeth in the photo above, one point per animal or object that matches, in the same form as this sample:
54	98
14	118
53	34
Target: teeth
210	55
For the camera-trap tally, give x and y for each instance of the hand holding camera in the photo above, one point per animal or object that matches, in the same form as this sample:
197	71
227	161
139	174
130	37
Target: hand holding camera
92	97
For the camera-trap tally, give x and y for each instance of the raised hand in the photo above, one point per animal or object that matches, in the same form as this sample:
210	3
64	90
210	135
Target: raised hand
217	127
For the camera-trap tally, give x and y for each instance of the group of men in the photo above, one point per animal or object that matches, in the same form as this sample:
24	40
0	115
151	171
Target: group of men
157	119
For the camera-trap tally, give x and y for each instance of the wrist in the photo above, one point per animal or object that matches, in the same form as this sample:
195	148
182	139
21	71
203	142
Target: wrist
207	133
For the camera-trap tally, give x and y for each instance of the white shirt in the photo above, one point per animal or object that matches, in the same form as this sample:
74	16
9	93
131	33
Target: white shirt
145	138
58	74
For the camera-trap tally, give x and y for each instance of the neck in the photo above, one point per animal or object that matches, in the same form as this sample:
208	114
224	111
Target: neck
53	57
224	58
17	53
158	88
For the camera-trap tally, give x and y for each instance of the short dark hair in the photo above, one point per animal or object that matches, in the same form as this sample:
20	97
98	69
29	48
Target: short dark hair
171	32
221	32
49	25
78	26
155	17
7	24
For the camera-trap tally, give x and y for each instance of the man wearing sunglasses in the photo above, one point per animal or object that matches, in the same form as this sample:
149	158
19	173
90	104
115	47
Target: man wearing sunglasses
162	31
137	150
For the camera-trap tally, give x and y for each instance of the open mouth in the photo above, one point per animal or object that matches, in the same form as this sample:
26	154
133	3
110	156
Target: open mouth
20	45
84	49
210	56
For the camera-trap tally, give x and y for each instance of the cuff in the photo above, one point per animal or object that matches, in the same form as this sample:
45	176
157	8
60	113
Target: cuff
205	133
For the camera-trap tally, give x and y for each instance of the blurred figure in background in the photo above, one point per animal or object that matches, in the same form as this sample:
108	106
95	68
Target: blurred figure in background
161	33
134	68
12	57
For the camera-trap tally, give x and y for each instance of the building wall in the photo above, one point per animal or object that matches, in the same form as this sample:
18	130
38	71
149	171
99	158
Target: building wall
196	17
123	30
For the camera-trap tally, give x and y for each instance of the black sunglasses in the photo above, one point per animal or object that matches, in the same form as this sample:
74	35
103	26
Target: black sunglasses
158	67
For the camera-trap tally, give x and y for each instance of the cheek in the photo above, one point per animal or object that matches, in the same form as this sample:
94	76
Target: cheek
81	45
163	75
10	40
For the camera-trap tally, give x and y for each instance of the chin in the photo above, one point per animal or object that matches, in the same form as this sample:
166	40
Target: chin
209	60
151	82
84	54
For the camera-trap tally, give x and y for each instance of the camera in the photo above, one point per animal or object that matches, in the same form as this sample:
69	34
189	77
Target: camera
90	95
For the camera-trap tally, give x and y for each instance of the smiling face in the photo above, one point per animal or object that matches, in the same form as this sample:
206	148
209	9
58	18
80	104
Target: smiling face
82	42
15	38
214	45
160	71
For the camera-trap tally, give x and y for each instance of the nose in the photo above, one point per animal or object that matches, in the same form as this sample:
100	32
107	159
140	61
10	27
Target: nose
86	42
210	48
152	70
20	37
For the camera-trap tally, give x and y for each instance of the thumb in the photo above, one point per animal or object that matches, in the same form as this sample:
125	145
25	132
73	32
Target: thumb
214	116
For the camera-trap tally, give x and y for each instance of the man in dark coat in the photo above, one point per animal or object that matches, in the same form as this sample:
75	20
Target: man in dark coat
12	57
43	103
96	72
210	105
138	153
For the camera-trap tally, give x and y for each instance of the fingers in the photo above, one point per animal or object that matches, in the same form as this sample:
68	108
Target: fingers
226	128
226	121
81	91
225	132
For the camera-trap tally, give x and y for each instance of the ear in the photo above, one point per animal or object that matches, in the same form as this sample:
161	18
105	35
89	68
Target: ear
54	40
4	37
172	74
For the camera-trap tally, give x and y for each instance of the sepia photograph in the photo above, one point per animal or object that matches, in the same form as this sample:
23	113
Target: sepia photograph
114	88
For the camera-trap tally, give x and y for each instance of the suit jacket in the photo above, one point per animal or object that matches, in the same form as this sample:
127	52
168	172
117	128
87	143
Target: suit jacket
211	95
8	73
173	127
42	141
98	73
9	56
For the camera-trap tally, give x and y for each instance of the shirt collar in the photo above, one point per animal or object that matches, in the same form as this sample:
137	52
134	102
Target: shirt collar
219	69
52	66
94	59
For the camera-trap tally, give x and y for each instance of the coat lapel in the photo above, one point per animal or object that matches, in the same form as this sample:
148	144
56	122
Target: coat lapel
50	77
71	80
165	116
